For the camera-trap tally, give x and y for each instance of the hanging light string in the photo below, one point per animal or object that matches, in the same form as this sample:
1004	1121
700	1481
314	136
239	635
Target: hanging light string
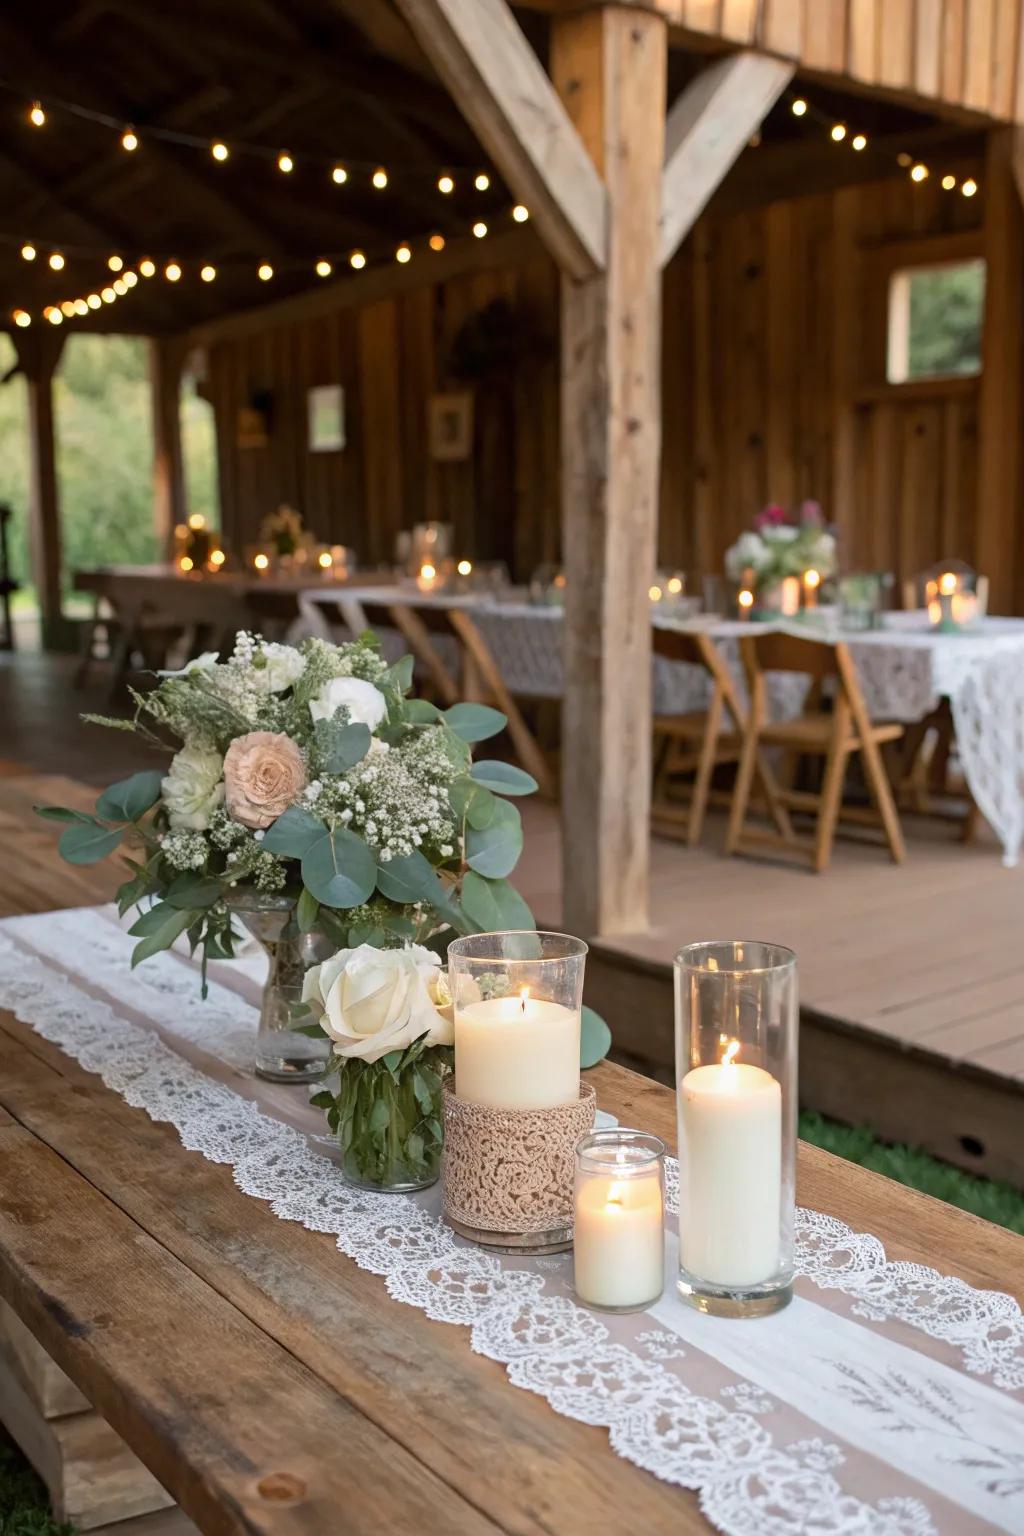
221	148
125	277
841	132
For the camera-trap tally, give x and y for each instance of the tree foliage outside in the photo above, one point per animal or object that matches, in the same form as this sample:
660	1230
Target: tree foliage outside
104	454
946	311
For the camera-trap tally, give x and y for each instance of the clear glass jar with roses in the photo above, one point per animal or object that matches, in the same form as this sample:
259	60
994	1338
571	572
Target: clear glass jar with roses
388	1017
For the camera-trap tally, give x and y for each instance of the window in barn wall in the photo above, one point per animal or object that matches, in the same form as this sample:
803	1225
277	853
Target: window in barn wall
935	321
199	450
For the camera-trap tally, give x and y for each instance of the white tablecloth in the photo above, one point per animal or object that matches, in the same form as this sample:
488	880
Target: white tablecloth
887	1400
904	670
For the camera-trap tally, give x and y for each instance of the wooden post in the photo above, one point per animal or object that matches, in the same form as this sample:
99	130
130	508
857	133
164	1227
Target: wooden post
608	66
166	362
1001	401
38	355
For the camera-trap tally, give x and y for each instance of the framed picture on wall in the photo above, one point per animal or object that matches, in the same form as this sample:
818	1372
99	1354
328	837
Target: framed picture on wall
326	412
450	425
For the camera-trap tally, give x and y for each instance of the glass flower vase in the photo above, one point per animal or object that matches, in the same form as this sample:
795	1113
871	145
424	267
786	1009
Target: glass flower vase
284	1052
388	1118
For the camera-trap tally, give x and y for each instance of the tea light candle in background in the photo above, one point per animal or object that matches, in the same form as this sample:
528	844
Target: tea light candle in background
744	602
619	1235
517	1052
261	562
789	597
812	581
427	578
731	1120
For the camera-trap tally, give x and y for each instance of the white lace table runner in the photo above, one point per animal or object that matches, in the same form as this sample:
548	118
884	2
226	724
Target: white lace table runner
887	1400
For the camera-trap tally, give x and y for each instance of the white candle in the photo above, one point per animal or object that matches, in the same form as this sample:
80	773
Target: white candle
517	1052
619	1240
731	1165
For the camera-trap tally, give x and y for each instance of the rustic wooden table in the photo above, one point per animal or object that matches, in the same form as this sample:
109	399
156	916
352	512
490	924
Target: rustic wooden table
273	1386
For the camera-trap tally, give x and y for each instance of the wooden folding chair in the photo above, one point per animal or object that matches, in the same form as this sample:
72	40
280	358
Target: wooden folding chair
835	736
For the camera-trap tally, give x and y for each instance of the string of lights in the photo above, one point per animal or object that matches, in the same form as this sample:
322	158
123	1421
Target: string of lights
841	132
174	270
42	110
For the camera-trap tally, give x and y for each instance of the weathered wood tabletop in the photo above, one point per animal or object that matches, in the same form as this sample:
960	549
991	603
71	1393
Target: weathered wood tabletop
273	1386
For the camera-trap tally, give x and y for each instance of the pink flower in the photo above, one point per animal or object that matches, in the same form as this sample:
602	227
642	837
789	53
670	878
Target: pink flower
771	516
811	515
263	775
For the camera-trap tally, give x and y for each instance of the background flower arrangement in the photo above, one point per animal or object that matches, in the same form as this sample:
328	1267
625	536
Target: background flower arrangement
782	544
308	777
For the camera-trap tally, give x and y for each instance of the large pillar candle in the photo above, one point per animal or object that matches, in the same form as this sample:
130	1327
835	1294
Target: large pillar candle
517	1052
731	1167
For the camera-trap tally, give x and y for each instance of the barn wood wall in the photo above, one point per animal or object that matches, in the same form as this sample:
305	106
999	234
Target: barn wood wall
773	361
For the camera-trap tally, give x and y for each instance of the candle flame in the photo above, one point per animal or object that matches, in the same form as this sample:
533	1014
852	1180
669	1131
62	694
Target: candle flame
947	583
730	1053
616	1195
524	996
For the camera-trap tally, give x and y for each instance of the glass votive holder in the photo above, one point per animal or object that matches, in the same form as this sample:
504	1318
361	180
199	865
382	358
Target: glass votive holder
736	1079
619	1220
518	998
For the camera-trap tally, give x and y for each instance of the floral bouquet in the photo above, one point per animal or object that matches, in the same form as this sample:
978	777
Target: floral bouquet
782	544
344	823
284	533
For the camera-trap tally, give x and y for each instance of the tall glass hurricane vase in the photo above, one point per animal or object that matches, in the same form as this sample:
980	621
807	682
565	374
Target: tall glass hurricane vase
284	1052
736	1073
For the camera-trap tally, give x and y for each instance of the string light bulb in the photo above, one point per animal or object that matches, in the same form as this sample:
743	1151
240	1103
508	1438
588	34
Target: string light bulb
28	253
54	316
436	242
115	263
56	261
219	151
94	301
131	278
481	181
208	273
217	557
838	132
147	268
948	183
859	141
339	175
264	272
465	567
285	163
129	139
37	117
172	272
904	159
919	172
403	254
380	178
479	229
21	317
261	561
446	184
81	307
120	287
324	268
520	213
357	260
969	187
108	295
185	563
67	309
799	107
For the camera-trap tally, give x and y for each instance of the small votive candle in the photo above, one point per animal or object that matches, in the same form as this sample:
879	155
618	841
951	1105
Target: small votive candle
619	1208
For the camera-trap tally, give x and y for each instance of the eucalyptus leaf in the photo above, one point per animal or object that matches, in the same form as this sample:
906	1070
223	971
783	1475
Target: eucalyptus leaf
595	1038
306	911
153	918
196	891
408	879
162	937
421	712
494	850
494	905
347	745
62	813
506	778
471	802
339	869
475	722
293	833
86	842
130	798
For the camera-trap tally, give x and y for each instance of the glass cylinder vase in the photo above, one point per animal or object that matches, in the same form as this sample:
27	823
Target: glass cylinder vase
389	1120
619	1225
736	1079
284	1053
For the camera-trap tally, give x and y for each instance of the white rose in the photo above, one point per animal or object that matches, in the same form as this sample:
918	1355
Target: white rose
284	668
193	788
372	1001
364	702
747	554
204	663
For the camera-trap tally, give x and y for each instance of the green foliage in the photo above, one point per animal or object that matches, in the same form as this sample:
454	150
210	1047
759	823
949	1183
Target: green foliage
337	747
506	778
595	1038
387	1115
339	869
474	722
494	904
86	842
946	313
24	1507
131	798
494	850
293	833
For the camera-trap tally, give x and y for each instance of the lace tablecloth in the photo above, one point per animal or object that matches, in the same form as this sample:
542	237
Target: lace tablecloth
887	1400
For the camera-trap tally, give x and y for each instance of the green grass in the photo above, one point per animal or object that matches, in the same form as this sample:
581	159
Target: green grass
24	1509
994	1201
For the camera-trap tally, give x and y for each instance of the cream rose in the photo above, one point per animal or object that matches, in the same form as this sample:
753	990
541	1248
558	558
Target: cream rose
192	789
372	1001
263	775
284	666
366	704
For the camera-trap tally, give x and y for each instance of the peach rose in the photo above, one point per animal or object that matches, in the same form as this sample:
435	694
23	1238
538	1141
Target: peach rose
263	774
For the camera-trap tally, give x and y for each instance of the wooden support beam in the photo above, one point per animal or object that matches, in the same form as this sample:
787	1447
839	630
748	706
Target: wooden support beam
708	127
166	361
479	51
609	67
39	351
1001	400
